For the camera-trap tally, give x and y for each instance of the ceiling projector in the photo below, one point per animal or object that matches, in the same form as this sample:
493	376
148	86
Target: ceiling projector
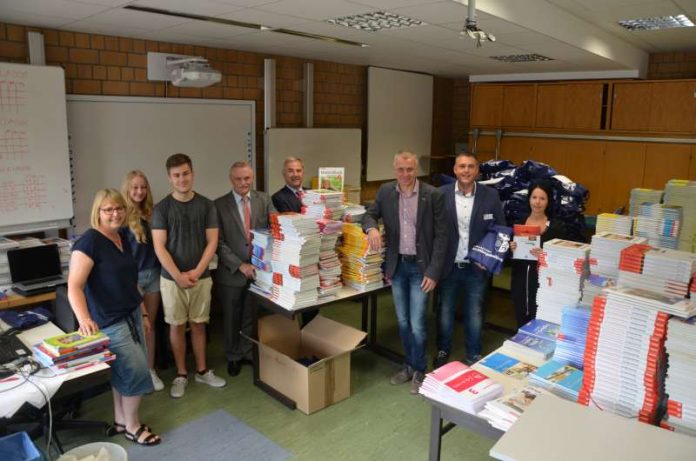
194	72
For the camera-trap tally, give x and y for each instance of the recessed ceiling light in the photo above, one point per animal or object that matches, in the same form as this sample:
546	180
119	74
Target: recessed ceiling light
378	20
657	23
532	57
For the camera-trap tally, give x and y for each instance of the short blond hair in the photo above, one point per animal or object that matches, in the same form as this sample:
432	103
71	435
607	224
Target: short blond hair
407	155
99	198
292	159
240	164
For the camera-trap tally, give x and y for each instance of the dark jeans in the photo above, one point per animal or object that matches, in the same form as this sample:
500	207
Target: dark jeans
238	315
473	281
410	303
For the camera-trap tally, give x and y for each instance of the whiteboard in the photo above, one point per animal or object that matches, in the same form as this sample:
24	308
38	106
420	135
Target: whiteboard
110	136
317	147
35	190
399	117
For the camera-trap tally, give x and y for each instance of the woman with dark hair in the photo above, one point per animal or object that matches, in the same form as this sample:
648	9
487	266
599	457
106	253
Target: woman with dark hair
525	277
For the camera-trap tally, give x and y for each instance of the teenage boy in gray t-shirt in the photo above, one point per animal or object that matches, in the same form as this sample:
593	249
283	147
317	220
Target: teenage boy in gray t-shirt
185	236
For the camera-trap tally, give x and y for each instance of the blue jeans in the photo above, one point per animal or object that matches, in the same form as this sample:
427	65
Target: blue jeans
410	304
473	281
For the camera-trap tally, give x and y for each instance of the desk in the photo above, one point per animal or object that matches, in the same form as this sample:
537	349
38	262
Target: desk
14	300
553	429
66	390
368	300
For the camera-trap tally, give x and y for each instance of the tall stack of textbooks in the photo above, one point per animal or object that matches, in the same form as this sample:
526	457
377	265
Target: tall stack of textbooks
681	193
562	269
681	373
329	264
605	252
460	387
72	351
666	272
559	378
361	266
641	195
624	355
570	344
5	278
323	203
614	223
659	223
261	251
295	260
504	411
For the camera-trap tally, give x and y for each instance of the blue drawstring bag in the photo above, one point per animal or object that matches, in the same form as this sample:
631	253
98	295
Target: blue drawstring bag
491	251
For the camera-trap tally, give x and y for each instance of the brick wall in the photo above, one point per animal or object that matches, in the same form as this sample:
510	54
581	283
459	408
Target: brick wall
680	64
108	65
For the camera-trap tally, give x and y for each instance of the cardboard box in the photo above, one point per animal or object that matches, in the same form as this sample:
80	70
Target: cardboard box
313	387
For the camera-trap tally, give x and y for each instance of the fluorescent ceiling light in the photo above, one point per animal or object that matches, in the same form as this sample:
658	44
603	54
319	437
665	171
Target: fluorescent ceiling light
657	23
249	25
532	57
378	20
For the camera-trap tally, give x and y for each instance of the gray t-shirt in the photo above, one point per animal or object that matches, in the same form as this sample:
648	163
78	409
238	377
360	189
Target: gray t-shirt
185	223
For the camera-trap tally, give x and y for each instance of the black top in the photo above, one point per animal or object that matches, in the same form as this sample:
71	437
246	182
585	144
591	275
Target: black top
286	200
112	285
143	252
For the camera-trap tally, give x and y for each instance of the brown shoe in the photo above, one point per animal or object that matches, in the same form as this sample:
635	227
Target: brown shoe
403	376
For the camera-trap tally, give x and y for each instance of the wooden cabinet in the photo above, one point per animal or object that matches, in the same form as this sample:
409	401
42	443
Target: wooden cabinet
519	102
623	169
692	165
569	106
486	105
631	107
673	107
664	162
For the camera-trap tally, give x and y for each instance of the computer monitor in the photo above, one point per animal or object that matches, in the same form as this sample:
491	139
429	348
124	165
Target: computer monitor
33	263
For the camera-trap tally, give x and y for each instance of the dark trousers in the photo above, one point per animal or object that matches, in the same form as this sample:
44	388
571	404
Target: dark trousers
238	315
523	288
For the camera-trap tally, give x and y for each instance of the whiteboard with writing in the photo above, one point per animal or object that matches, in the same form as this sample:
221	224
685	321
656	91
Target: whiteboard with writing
35	181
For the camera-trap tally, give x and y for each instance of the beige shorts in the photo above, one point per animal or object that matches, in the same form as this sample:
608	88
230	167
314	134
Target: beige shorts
183	305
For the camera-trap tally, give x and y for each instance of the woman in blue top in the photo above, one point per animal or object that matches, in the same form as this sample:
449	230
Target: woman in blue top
103	293
139	204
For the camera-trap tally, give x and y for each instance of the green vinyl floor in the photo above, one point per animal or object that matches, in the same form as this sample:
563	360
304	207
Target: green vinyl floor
378	422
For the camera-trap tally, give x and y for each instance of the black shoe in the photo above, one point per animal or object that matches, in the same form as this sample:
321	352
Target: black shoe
441	358
234	367
472	360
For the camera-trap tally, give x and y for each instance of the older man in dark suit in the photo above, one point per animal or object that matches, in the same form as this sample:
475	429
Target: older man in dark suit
470	208
239	211
289	197
416	239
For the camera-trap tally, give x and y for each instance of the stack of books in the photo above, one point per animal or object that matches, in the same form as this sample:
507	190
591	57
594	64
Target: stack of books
323	203
679	192
614	223
295	260
507	365
662	271
681	373
460	387
5	278
561	379
535	340
593	286
570	345
562	269
329	264
605	251
639	196
625	356
354	212
659	223
72	351
361	266
261	250
504	411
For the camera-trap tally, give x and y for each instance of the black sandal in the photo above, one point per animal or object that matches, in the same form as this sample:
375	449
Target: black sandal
150	440
118	428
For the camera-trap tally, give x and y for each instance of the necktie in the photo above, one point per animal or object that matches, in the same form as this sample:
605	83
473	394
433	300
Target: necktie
247	217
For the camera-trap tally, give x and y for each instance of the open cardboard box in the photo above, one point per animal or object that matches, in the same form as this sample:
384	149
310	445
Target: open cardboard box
324	382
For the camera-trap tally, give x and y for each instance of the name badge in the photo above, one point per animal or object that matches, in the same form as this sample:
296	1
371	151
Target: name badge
488	216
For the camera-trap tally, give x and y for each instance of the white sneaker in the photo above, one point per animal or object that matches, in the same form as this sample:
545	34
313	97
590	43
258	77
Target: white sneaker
156	381
210	379
178	387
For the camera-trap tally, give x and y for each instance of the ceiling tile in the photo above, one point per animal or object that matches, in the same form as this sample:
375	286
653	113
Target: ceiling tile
200	7
317	10
55	8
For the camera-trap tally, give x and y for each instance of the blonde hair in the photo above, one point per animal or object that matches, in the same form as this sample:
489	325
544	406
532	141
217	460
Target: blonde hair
99	198
137	211
405	154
